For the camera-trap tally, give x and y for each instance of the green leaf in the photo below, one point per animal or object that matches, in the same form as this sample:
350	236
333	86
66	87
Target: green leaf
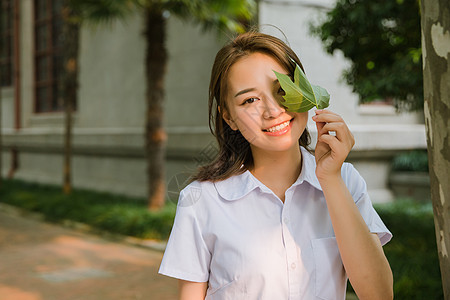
322	96
300	95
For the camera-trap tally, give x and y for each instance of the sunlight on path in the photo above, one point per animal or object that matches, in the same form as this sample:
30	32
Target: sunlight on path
41	261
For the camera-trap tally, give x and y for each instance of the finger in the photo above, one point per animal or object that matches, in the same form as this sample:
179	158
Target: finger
327	117
338	151
319	126
344	136
330	118
323	111
341	130
331	141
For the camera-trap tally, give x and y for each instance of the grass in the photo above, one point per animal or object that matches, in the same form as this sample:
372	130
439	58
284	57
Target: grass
103	211
411	253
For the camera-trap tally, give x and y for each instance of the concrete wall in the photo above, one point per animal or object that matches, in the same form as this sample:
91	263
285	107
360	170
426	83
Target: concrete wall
7	97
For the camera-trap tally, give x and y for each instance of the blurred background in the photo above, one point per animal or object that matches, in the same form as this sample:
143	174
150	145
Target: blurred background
104	105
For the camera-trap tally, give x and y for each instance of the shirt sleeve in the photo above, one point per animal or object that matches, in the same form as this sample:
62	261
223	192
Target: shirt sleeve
186	256
358	188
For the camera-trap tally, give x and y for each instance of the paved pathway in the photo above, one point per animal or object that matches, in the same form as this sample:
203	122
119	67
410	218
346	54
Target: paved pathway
42	261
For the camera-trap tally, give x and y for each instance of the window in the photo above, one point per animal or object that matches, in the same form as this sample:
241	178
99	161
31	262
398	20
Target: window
6	42
48	56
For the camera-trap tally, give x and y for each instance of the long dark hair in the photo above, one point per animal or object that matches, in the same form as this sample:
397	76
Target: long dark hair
235	156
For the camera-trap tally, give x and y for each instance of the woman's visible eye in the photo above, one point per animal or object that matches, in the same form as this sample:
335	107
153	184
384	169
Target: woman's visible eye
250	100
281	91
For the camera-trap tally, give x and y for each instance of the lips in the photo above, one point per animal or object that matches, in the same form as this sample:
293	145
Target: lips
278	127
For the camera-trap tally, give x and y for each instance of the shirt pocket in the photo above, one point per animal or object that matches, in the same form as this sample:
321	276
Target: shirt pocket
330	277
226	291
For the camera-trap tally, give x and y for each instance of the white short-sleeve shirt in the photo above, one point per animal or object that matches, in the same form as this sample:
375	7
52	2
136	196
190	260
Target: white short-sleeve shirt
241	238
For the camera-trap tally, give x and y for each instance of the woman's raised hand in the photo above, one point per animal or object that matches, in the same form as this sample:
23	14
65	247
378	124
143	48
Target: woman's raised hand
334	142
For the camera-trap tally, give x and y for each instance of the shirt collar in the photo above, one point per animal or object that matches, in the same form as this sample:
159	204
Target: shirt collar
308	173
238	186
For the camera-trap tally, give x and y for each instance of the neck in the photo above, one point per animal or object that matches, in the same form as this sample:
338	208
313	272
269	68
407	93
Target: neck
277	170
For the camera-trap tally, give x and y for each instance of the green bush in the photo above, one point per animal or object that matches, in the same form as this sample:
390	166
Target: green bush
412	161
117	214
381	39
412	252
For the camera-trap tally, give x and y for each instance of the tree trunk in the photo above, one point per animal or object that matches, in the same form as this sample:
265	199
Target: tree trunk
1	128
1	102
436	74
69	86
14	165
156	59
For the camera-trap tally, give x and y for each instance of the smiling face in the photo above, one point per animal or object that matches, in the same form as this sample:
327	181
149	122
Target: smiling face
253	106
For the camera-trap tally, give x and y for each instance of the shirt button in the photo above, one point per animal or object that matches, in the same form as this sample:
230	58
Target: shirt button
293	266
286	220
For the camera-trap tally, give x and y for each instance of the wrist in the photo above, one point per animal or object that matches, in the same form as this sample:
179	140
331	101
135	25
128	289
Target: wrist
327	180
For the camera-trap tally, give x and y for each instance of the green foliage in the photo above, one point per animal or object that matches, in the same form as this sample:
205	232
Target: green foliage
230	15
300	95
101	11
412	161
117	214
382	40
412	252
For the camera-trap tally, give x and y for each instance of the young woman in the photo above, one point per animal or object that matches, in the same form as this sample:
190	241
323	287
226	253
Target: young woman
267	219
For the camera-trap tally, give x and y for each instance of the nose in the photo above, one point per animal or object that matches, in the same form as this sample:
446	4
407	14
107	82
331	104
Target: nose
272	108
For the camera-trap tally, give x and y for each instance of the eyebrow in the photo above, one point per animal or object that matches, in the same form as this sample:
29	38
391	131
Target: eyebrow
250	89
244	91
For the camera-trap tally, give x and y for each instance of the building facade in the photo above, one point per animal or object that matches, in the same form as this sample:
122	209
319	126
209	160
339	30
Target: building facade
108	136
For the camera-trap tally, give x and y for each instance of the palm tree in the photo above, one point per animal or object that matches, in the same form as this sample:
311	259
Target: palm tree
69	83
1	136
74	12
221	14
2	45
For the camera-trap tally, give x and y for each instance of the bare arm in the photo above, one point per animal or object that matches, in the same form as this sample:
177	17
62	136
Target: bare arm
190	290
361	252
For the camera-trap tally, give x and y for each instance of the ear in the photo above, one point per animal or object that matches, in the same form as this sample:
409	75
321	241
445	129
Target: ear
226	116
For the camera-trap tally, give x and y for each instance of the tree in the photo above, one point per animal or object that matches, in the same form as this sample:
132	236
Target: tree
3	52
221	14
1	126
382	40
436	77
73	15
69	86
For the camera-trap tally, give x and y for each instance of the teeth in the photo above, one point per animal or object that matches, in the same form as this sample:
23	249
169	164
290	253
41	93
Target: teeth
278	127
